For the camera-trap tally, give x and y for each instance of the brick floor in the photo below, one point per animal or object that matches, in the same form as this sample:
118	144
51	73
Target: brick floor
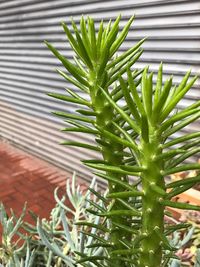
25	178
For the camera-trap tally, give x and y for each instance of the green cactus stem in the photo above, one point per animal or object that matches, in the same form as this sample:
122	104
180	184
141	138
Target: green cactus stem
152	211
132	136
96	68
153	162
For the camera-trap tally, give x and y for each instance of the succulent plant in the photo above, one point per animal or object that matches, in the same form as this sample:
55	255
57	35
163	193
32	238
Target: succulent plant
69	234
15	250
92	70
131	121
197	263
58	241
76	233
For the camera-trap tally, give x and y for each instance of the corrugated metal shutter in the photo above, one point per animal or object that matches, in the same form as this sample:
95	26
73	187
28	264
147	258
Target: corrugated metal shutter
27	68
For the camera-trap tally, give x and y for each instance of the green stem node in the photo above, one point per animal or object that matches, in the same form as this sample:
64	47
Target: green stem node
152	210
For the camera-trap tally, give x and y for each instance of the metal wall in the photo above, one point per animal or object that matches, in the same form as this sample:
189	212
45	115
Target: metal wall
27	68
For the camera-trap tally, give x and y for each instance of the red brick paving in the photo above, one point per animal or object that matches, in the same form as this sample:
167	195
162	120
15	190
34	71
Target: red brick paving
25	178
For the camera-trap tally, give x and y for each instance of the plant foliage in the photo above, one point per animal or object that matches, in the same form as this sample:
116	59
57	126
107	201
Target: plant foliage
59	241
132	121
71	233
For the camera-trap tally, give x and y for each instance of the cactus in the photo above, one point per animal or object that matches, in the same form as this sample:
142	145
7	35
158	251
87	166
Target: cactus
132	121
93	70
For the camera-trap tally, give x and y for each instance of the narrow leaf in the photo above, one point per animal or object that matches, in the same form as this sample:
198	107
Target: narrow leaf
71	39
68	99
133	74
179	205
129	100
66	230
96	237
85	57
92	225
182	124
73	116
195	179
172	228
91	259
86	112
109	168
100	245
77	144
158	85
177	117
179	190
125	54
123	69
99	39
114	180
125	228
147	92
75	95
92	36
54	247
158	189
98	195
183	82
83	87
176	99
186	167
193	143
126	134
134	92
103	61
111	36
170	154
76	72
120	213
85	37
133	168
122	63
116	138
164	239
121	112
125	194
95	205
183	157
79	125
125	251
181	139
121	37
162	99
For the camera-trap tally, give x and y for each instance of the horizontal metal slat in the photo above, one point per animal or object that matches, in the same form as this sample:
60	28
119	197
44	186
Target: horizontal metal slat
108	11
27	67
